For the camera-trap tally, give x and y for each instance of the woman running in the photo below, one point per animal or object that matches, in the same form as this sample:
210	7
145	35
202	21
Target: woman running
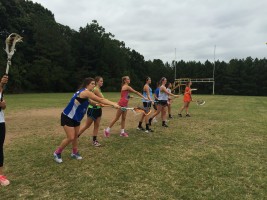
147	92
187	100
3	180
73	114
123	102
163	99
94	112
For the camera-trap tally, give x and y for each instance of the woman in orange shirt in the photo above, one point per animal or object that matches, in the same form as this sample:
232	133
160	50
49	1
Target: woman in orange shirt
187	100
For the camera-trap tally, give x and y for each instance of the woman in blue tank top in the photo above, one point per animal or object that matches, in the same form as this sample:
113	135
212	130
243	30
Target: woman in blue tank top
73	114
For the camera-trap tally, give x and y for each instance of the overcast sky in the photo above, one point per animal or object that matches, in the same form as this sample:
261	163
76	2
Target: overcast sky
155	28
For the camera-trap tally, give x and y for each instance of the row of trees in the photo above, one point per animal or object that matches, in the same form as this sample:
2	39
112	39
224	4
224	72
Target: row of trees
55	58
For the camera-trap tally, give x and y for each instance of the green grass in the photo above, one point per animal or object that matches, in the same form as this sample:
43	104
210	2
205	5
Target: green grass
218	153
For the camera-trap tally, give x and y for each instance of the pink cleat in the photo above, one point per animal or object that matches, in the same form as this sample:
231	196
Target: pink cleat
124	135
106	133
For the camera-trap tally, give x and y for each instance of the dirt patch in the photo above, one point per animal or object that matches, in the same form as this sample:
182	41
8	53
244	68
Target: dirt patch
47	121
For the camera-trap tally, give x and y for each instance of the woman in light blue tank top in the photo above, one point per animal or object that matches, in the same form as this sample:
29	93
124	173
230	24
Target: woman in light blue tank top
147	92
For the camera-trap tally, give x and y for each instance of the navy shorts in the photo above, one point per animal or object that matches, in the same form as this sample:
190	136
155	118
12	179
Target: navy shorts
66	121
94	113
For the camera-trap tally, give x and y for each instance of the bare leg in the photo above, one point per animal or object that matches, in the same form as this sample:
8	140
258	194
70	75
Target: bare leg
88	123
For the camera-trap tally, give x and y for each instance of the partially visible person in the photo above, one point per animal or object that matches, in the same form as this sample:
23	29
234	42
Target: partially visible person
3	179
147	92
169	86
123	102
94	112
187	100
73	114
163	99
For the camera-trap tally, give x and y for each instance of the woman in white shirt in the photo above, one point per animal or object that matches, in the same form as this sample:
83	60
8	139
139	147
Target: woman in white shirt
3	180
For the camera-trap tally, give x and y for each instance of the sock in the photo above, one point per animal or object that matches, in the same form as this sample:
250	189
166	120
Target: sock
163	122
59	150
147	126
74	150
122	131
94	138
140	124
108	129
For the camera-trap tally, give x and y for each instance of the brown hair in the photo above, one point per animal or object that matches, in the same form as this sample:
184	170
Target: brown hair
86	82
97	78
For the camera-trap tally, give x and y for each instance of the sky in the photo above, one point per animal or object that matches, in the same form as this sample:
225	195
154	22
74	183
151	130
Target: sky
170	30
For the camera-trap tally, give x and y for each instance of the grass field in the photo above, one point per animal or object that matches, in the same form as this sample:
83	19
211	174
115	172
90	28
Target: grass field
218	153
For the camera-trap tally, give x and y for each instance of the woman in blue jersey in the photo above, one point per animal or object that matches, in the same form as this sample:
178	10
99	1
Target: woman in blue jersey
94	112
163	101
147	92
3	180
73	114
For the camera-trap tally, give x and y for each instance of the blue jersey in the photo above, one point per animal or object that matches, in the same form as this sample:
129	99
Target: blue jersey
145	95
77	107
157	92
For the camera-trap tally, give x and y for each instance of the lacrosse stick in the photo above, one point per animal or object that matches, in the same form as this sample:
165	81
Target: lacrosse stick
200	102
11	41
137	110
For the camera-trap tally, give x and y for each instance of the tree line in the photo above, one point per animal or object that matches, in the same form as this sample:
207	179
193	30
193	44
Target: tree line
56	58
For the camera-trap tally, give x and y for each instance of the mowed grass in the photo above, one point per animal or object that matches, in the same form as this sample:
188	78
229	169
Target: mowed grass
218	153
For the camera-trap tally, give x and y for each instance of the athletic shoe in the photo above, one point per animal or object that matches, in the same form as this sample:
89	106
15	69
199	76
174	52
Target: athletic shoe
140	128
187	115
149	121
57	157
4	181
124	135
154	120
96	143
180	115
165	125
149	131
76	156
106	133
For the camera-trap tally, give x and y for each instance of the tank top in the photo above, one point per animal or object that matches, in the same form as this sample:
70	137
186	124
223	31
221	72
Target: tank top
124	98
162	95
96	107
77	107
145	95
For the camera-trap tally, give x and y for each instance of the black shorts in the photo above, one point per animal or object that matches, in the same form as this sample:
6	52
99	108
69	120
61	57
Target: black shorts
94	113
147	106
163	103
65	120
155	105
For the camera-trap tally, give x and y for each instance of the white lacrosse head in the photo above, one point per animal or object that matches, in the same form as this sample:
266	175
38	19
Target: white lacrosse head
11	41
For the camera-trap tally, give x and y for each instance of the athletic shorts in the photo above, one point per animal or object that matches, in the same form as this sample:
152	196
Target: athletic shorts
155	105
147	106
94	113
163	103
66	121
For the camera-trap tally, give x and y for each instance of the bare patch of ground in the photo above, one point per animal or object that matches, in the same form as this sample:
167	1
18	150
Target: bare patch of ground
47	121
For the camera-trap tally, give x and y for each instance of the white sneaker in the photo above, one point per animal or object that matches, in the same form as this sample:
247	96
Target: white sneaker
4	181
57	158
76	156
154	120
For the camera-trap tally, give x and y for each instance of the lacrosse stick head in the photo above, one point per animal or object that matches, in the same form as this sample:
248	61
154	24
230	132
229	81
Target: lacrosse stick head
200	102
11	41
